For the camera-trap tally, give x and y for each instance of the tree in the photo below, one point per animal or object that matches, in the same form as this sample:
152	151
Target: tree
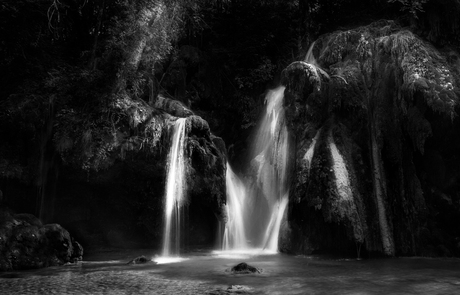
413	6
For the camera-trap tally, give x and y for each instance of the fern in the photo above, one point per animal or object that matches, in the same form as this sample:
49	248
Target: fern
413	6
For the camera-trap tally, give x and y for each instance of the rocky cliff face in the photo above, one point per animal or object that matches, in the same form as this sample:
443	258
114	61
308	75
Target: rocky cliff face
374	116
122	202
26	243
109	184
89	150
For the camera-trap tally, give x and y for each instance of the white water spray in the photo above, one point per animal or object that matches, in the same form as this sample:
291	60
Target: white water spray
235	231
174	191
309	57
255	210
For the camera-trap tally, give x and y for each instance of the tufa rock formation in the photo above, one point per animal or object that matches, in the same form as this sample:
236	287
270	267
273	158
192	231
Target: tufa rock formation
374	115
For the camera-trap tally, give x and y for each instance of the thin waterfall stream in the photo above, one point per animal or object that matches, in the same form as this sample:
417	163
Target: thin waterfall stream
174	194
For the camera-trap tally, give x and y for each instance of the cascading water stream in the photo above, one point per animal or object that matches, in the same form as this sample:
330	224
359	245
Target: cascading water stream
174	195
271	148
235	233
255	210
309	57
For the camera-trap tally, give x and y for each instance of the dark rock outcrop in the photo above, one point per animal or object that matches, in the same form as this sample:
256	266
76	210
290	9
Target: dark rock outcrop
25	243
172	107
206	177
129	160
371	155
244	268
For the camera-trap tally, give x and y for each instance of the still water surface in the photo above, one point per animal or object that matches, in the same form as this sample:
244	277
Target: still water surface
208	273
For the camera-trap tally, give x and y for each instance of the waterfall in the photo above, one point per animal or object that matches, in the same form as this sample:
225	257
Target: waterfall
235	232
175	187
309	57
255	208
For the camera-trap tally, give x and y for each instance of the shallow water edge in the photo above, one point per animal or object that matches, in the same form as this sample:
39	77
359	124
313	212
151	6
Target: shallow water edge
209	273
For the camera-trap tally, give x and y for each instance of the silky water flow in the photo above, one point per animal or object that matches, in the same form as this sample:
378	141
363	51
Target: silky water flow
174	195
256	205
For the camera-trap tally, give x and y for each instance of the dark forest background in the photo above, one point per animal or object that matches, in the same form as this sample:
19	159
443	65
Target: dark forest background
218	57
63	63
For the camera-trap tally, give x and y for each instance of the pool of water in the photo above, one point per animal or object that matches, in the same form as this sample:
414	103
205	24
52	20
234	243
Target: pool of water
209	273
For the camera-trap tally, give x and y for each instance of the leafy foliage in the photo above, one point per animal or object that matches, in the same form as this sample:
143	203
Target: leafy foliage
413	6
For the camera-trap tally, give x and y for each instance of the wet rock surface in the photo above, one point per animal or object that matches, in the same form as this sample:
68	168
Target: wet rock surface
244	268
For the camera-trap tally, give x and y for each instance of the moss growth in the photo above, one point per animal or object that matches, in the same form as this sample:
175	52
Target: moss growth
386	88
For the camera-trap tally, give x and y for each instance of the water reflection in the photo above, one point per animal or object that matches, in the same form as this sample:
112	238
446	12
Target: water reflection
243	253
207	274
168	259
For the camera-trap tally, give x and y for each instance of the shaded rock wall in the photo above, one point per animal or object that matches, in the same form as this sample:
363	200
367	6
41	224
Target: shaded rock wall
374	98
109	173
119	201
26	243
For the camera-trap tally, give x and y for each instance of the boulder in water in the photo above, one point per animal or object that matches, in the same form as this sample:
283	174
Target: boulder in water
244	268
25	243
